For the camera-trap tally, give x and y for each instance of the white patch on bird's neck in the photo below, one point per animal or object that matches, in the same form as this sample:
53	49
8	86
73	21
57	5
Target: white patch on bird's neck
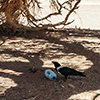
58	70
59	67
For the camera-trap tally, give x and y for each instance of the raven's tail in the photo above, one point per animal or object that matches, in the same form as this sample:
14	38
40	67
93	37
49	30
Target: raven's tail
82	74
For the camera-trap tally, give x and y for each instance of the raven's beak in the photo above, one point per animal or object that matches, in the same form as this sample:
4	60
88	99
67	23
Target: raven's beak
52	61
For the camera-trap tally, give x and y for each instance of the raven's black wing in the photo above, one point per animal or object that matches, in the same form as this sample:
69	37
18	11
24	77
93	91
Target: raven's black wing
68	71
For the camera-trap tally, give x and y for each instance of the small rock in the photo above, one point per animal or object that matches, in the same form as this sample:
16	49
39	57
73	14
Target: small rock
33	69
72	86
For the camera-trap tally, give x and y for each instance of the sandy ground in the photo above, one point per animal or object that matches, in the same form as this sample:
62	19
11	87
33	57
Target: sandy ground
75	48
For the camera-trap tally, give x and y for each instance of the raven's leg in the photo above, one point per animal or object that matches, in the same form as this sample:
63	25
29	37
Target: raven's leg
65	78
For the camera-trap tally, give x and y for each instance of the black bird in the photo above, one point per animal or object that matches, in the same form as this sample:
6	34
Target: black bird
65	71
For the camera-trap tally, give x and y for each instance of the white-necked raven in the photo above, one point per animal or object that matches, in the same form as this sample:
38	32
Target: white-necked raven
65	71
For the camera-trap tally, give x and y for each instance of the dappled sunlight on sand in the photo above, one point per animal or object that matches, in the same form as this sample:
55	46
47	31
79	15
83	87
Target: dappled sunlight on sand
90	43
71	60
46	52
10	72
53	52
6	83
88	95
8	57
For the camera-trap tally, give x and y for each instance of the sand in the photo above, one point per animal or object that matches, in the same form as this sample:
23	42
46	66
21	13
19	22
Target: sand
74	48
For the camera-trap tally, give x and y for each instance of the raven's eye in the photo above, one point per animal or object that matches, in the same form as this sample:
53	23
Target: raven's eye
48	72
53	78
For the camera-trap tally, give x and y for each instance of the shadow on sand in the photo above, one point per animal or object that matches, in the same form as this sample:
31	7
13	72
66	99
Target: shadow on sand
35	84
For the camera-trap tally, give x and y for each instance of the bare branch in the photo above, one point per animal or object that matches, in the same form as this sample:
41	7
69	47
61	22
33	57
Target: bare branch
13	9
66	18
